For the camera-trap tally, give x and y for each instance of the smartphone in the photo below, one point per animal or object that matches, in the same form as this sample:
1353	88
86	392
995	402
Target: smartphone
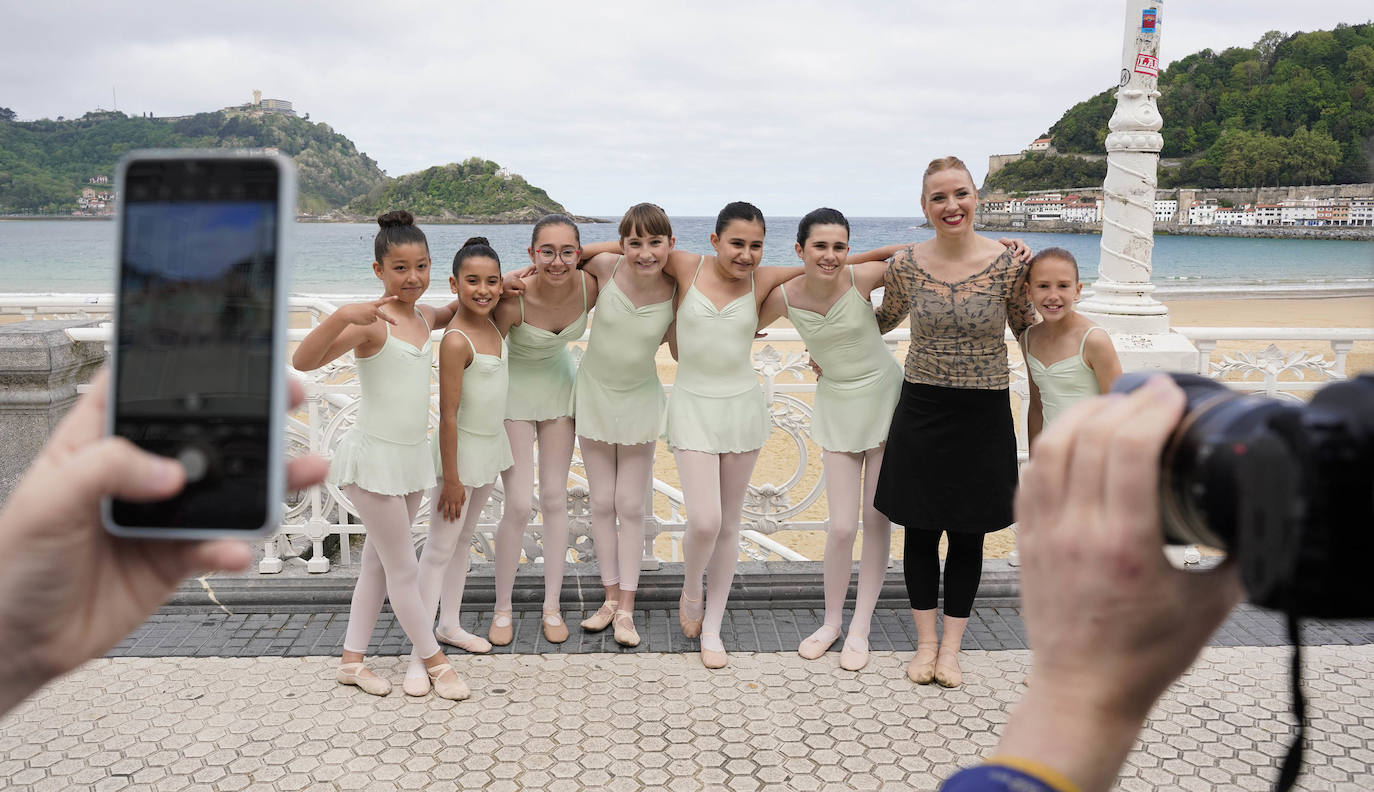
198	357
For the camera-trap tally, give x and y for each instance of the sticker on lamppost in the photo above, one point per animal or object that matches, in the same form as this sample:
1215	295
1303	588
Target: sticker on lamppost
1147	65
1147	20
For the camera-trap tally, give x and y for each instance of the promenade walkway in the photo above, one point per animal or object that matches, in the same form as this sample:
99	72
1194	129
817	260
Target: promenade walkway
199	699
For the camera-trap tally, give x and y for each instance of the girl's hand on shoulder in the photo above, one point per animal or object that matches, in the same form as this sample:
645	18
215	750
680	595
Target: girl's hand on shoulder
514	282
367	313
1019	249
451	499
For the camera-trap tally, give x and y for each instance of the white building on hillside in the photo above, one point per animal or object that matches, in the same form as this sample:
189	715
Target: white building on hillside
1083	210
1202	213
1303	211
1045	207
1165	210
1362	211
1268	214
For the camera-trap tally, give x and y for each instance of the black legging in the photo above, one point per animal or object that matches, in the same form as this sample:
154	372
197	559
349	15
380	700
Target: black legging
963	570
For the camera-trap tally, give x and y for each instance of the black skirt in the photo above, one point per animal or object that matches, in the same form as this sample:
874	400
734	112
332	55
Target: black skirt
950	461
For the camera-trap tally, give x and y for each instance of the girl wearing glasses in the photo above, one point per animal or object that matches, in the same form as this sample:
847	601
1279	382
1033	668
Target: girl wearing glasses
550	312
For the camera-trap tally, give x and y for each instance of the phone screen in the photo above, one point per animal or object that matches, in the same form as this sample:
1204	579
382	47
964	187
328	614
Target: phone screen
197	272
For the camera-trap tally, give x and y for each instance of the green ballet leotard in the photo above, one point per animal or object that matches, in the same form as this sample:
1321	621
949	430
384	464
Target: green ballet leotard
717	404
541	368
617	397
860	381
387	450
483	447
1062	383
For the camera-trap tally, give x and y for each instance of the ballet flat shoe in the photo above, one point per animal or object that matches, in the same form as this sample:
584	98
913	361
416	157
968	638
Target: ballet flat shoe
691	625
501	634
854	654
602	618
468	642
713	659
416	684
625	634
447	685
948	675
814	646
921	673
555	630
351	674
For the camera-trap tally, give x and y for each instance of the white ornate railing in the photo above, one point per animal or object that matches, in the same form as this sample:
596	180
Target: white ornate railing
792	503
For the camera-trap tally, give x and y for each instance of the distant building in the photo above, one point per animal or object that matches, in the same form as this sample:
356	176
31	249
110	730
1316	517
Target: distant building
1165	210
1362	211
99	180
1082	210
506	174
1202	213
280	106
1045	207
1268	214
1303	211
1041	144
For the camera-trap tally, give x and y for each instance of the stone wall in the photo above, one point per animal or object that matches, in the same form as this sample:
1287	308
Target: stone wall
40	367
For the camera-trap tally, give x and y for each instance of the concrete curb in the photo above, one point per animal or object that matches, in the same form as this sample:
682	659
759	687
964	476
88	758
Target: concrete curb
789	584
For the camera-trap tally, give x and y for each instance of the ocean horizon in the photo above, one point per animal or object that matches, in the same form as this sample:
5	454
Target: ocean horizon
45	257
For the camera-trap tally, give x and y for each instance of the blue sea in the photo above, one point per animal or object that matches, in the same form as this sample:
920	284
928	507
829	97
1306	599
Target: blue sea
51	256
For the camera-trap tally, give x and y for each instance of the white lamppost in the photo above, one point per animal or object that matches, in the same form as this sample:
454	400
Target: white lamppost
1122	300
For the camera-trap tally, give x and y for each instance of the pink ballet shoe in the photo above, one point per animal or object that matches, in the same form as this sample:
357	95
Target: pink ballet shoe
625	633
947	672
854	655
690	614
555	630
357	675
922	671
447	685
819	642
502	629
464	640
713	658
416	683
602	618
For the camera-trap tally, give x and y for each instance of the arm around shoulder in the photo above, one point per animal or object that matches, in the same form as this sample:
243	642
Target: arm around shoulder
896	292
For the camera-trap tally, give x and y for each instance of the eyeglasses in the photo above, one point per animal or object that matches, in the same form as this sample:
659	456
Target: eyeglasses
547	255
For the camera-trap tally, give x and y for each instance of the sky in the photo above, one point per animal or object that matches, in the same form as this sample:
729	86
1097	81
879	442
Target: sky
790	105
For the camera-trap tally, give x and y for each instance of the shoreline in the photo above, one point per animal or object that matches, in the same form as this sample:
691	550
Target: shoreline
1342	233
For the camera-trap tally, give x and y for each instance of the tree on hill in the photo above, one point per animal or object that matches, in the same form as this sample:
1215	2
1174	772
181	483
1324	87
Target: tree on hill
1307	94
6	114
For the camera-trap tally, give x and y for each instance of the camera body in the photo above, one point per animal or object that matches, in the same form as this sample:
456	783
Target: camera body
1287	490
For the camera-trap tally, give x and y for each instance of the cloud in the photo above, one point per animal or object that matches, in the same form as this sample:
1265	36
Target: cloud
791	104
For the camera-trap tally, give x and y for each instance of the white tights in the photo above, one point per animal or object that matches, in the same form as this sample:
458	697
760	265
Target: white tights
555	457
619	477
713	488
843	472
389	570
447	556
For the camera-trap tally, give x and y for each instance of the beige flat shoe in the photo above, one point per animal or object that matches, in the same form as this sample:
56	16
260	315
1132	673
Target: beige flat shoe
464	640
602	618
502	628
690	614
447	685
854	655
357	675
416	682
922	671
713	658
814	646
947	673
625	634
555	631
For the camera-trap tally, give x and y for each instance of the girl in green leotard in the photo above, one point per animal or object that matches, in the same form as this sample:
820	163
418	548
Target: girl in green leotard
550	311
854	400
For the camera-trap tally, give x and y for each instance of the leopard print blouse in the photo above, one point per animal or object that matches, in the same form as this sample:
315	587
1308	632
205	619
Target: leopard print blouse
957	338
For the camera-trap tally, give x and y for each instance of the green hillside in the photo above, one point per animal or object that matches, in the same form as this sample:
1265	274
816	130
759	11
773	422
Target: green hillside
470	189
1292	109
44	163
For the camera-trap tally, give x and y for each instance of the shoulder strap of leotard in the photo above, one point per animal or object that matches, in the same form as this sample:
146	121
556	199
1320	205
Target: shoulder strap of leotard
465	337
584	289
782	287
700	261
1083	344
852	282
521	298
617	265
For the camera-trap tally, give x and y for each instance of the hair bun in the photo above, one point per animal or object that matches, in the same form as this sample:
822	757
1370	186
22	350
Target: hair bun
477	241
400	217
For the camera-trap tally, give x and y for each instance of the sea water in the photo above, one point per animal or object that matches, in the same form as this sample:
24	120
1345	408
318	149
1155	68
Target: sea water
50	256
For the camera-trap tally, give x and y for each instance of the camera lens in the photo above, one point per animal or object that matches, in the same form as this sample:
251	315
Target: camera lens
1221	446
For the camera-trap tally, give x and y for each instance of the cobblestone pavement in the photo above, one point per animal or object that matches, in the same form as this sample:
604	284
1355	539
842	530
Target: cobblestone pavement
625	722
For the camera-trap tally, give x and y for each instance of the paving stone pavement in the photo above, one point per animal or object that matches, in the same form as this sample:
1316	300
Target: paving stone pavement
626	722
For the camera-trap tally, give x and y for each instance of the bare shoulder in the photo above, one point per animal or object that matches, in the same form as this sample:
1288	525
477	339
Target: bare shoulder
1100	341
869	275
507	313
456	347
601	265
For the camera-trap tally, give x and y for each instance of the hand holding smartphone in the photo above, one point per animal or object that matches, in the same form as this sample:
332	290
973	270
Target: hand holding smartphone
198	358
